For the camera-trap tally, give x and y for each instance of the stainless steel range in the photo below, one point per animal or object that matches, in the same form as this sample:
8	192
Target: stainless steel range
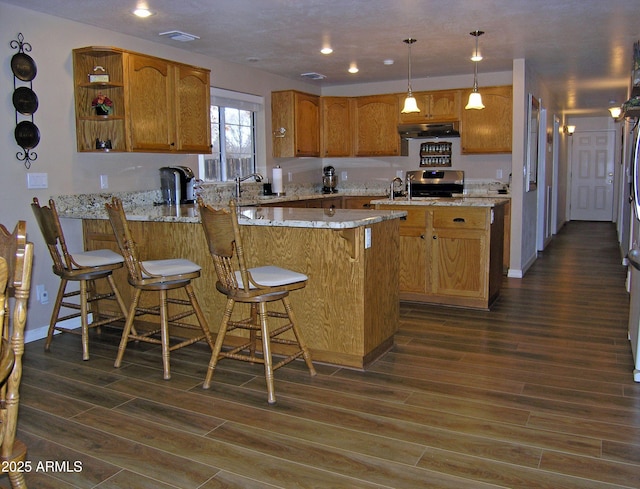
435	183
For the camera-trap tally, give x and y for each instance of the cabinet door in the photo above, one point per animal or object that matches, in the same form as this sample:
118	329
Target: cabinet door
444	106
336	126
460	263
307	124
376	125
151	114
295	122
193	99
488	130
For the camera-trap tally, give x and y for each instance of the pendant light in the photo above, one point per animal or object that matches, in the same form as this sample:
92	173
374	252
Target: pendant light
475	99
410	104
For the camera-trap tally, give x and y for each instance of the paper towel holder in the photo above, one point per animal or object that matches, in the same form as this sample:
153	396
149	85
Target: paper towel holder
277	184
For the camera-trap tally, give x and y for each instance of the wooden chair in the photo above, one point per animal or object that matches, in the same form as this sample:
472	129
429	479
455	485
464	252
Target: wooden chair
158	276
259	287
17	255
87	269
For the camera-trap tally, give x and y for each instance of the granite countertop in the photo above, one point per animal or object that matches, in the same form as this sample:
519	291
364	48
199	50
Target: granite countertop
481	201
248	215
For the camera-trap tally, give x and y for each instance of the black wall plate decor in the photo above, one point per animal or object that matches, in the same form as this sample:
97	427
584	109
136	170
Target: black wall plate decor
25	100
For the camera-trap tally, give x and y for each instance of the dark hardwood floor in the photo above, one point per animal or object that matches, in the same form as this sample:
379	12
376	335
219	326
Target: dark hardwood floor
537	393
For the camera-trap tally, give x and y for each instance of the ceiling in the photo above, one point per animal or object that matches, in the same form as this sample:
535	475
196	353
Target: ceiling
580	49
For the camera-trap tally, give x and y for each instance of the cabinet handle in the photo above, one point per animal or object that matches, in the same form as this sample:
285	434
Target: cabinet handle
458	219
422	236
434	237
367	206
403	218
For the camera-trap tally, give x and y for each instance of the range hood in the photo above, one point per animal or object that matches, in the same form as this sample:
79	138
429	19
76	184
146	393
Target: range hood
429	130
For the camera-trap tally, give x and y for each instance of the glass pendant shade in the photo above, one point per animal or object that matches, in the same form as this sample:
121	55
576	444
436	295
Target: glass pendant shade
410	104
475	101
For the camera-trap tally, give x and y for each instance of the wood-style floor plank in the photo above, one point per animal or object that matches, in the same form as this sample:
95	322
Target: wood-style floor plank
536	393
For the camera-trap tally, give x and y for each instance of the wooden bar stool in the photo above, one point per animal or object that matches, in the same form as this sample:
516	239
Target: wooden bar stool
86	268
259	287
158	276
16	255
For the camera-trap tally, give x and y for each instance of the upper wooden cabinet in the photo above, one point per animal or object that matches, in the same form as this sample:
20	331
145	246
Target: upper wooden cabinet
375	120
436	106
488	130
336	126
158	105
295	122
168	106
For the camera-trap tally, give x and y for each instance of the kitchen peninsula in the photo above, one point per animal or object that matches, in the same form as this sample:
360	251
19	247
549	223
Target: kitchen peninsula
349	310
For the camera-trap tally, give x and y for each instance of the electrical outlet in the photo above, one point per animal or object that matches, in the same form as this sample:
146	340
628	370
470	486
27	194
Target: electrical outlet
343	176
499	173
104	182
289	177
41	294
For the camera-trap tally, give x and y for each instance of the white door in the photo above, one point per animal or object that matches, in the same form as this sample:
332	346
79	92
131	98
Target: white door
592	175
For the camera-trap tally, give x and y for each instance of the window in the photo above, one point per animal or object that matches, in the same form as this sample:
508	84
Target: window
233	136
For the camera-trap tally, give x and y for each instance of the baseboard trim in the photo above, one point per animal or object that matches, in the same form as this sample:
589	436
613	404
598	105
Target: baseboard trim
41	332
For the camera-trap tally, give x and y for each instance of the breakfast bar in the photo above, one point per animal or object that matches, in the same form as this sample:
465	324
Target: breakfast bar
349	310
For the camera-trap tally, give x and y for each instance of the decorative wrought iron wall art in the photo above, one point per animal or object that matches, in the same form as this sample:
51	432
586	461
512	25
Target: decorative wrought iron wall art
25	100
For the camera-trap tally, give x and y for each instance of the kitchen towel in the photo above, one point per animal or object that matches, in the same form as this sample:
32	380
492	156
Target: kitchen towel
276	181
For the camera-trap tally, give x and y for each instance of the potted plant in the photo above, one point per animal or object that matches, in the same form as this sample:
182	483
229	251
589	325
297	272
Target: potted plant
102	104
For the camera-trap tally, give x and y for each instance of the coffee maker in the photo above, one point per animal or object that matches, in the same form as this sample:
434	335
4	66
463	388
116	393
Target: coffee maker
329	180
177	185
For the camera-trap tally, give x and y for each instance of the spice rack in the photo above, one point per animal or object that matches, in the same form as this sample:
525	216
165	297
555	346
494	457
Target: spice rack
435	153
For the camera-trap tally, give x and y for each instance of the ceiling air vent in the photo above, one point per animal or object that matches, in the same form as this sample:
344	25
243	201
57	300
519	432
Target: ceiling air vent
179	36
313	76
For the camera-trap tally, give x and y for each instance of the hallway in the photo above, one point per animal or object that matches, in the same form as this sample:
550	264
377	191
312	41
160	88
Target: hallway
537	393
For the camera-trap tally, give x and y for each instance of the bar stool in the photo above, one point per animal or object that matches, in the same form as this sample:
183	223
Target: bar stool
258	287
87	269
158	276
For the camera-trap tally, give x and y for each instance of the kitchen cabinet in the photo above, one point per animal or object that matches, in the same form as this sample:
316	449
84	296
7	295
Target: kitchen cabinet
375	120
358	202
451	255
295	122
109	64
336	126
157	105
168	106
435	106
488	130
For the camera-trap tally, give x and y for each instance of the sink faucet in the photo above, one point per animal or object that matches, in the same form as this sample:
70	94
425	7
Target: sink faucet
239	179
392	186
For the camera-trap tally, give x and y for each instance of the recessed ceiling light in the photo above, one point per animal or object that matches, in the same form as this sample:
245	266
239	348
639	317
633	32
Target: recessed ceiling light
326	50
142	12
388	62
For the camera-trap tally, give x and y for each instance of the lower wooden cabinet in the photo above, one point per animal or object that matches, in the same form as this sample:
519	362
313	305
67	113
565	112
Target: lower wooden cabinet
451	255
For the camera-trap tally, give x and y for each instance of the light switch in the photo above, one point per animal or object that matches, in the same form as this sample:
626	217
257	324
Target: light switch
37	180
